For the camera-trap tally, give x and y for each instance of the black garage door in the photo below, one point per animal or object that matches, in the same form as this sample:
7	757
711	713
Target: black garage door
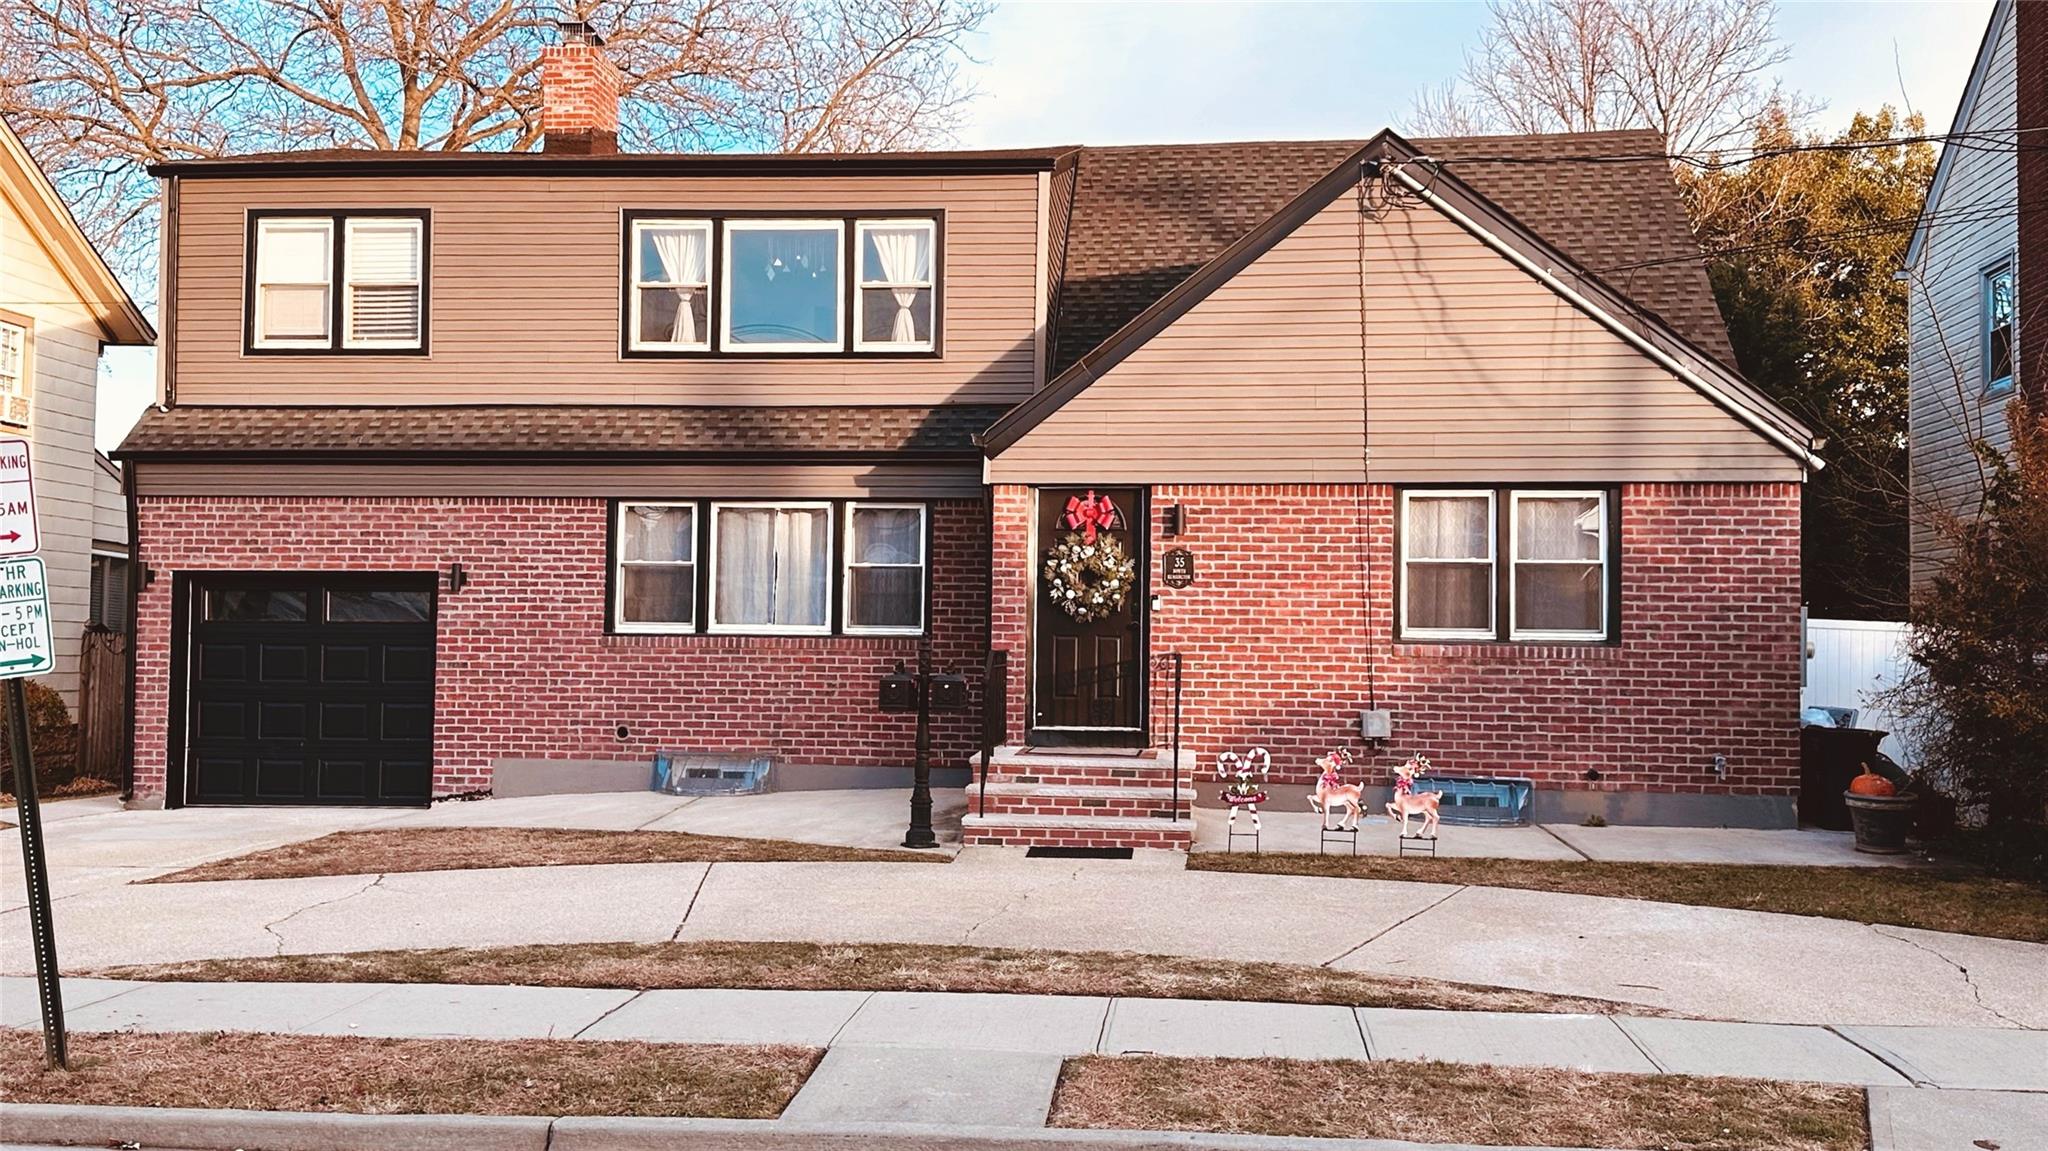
311	689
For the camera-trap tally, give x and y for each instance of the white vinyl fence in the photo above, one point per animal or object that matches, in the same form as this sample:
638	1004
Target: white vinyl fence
1848	662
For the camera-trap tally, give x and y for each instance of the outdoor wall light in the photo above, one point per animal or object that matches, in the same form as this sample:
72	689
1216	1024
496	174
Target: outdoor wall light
457	578
1174	520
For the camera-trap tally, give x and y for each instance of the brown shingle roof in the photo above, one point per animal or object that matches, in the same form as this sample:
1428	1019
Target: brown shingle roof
548	429
1145	218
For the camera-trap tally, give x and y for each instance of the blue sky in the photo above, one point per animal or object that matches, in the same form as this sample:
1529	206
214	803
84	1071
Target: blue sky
1115	73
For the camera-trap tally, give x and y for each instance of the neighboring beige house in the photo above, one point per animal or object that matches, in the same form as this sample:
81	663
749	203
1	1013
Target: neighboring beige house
59	306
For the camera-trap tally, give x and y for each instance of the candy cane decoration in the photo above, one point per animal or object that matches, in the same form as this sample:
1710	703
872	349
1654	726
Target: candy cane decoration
1244	779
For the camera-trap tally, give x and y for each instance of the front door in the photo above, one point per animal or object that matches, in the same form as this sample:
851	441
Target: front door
1089	649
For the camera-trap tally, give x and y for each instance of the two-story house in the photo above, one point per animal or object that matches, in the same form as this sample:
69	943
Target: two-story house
59	306
1977	276
507	471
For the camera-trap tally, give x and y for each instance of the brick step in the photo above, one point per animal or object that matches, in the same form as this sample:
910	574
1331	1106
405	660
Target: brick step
1077	768
1076	799
1075	831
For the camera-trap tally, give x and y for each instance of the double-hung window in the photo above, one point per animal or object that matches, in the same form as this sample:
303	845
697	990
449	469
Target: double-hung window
341	281
783	288
2000	309
770	567
1529	564
671	292
892	311
655	586
13	374
885	565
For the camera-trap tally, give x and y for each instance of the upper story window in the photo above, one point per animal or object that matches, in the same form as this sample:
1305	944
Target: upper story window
1530	564
337	282
13	374
840	284
2000	308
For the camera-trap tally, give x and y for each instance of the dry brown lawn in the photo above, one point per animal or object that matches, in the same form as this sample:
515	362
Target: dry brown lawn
870	967
1458	1103
1949	897
466	848
407	1076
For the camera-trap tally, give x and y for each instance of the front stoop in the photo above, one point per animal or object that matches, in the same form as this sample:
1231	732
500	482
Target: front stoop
1073	798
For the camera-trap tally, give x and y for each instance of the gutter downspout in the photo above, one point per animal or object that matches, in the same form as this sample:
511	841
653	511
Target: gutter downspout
1802	452
134	597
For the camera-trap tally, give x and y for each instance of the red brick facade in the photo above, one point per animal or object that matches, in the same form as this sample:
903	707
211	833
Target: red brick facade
536	572
2031	19
1708	663
579	89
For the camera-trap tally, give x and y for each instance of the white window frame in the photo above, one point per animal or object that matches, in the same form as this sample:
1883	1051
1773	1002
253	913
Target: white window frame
258	313
1492	630
637	281
2006	266
923	566
724	302
19	390
712	624
620	623
861	283
418	228
1515	561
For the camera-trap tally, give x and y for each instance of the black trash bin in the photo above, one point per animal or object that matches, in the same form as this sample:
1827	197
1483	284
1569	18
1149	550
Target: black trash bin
1829	757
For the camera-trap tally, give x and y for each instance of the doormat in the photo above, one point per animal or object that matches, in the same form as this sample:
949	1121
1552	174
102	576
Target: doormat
1077	853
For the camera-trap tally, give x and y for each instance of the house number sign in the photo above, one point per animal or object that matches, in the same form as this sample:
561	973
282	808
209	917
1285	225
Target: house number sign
1179	565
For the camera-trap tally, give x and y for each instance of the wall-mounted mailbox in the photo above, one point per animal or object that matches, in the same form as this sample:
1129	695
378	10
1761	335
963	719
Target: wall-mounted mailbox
949	692
899	690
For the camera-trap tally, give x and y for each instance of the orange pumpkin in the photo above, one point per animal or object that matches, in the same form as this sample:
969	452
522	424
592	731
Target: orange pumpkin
1871	783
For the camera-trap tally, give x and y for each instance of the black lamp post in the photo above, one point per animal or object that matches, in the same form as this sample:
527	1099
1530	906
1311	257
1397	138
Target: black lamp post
920	833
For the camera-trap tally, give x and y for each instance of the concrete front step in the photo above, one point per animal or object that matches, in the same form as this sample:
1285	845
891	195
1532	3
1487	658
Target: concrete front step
1075	831
1142	802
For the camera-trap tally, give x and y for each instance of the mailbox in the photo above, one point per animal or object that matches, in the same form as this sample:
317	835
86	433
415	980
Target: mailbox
899	690
949	692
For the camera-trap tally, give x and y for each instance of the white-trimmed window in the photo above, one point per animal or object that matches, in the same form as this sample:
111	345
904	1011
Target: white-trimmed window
885	566
1558	581
294	280
783	289
893	306
771	567
380	303
655	586
2001	306
13	374
671	292
1447	564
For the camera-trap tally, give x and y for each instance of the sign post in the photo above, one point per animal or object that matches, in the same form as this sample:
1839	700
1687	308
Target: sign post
25	650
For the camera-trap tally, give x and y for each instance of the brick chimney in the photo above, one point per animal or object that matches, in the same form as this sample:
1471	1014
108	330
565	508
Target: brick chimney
579	95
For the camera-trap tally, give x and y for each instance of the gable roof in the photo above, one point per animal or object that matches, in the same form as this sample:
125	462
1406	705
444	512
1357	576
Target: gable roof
1966	107
58	232
1512	239
1146	218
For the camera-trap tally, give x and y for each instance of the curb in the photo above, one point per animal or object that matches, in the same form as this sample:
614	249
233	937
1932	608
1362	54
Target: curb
65	1125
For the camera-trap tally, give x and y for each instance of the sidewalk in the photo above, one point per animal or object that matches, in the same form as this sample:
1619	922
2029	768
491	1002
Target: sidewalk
992	1061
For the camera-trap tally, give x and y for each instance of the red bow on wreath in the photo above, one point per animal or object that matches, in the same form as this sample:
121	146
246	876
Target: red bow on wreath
1087	515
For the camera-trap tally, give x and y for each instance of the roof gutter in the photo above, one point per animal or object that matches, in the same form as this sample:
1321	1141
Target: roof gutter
1802	452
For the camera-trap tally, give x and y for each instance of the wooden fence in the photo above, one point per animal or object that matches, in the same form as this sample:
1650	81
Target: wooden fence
103	705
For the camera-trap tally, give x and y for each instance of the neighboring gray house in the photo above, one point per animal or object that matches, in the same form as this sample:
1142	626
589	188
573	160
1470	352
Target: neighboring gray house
1963	271
59	306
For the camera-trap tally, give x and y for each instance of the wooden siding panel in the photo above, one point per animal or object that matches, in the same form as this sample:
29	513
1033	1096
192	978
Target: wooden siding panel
1477	372
1945	313
764	481
525	294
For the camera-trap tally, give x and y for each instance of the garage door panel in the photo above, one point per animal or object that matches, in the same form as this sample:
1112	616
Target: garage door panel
318	689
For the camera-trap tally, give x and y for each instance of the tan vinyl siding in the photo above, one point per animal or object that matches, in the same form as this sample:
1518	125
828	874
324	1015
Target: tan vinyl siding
893	481
525	295
1478	372
1945	314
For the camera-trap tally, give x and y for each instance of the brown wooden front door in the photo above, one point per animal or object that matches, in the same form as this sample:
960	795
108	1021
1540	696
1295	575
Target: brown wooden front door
1088	676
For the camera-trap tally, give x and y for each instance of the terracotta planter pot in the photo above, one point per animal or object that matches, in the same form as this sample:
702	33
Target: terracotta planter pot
1881	821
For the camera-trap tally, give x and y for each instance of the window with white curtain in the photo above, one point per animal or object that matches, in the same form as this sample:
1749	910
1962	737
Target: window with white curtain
380	303
1447	564
1559	574
13	374
770	566
885	565
892	311
784	289
293	281
671	297
655	584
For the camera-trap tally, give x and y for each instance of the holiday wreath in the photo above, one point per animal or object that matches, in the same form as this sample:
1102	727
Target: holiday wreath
1090	579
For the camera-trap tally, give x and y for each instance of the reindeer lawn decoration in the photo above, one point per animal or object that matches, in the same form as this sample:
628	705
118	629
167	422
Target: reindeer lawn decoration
1244	778
1408	801
1331	791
